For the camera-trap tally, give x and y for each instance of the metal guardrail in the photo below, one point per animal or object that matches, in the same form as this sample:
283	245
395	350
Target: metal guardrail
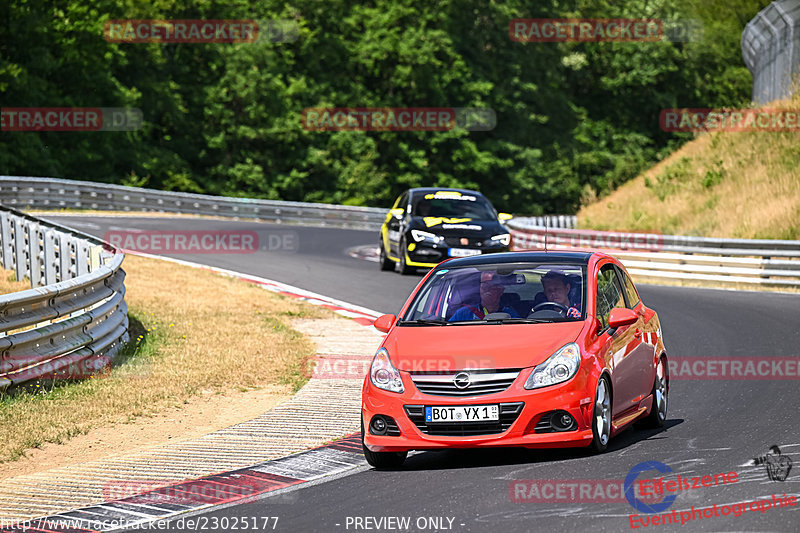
763	261
752	261
52	193
771	50
74	318
548	221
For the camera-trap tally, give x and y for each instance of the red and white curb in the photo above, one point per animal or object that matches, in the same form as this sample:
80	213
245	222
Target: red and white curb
235	487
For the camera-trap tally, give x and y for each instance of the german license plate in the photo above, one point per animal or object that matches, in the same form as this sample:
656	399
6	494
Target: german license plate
462	413
463	252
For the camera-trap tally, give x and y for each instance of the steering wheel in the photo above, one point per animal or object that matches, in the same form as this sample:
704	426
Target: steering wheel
557	307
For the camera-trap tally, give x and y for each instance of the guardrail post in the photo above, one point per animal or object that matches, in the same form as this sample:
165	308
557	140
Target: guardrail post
50	276
35	255
19	250
94	257
6	256
81	257
65	257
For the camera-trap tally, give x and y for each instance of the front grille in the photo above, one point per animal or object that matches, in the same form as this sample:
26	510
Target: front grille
391	427
509	412
455	242
481	382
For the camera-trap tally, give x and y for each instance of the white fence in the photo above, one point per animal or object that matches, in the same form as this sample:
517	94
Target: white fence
752	261
771	50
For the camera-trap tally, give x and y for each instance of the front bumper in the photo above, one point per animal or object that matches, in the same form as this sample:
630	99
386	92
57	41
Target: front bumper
573	397
429	255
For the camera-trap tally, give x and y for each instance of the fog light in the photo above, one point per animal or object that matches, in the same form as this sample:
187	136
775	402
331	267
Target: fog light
562	421
378	425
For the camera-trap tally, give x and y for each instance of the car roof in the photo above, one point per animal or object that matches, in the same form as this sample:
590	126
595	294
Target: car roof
426	190
520	257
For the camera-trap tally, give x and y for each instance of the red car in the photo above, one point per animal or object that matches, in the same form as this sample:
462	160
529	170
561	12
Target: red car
530	349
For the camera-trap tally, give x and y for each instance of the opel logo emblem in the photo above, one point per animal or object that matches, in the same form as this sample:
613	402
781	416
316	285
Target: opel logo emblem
464	240
461	380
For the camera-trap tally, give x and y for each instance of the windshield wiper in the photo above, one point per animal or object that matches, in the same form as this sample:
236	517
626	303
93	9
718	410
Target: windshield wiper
517	321
424	322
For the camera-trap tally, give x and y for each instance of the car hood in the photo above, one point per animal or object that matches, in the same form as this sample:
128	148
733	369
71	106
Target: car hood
449	348
458	227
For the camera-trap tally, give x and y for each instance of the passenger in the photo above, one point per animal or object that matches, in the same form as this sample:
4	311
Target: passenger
491	291
556	289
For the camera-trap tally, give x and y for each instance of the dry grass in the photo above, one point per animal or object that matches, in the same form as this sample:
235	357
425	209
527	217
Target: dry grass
9	283
738	185
213	334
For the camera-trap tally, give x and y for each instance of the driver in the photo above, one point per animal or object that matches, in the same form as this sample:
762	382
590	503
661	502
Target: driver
556	289
491	291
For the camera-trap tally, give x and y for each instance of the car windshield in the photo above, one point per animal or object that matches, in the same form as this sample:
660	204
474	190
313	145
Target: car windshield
507	293
453	205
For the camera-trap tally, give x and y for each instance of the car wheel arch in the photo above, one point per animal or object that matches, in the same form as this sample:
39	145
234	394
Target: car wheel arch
604	373
663	355
607	374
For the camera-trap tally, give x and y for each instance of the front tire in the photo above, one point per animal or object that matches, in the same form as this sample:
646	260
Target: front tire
382	460
383	260
658	413
601	416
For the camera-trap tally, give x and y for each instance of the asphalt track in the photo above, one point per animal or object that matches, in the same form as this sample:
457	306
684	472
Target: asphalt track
713	426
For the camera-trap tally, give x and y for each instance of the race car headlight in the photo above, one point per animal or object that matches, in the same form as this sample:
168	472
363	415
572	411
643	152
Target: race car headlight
425	236
558	368
503	239
383	374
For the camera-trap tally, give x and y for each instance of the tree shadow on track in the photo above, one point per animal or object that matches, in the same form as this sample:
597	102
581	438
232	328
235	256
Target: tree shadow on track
476	458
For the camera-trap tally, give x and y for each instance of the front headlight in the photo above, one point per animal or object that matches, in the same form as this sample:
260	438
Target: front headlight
383	374
503	239
425	236
558	368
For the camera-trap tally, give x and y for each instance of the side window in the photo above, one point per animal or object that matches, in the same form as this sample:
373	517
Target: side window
609	293
403	203
630	291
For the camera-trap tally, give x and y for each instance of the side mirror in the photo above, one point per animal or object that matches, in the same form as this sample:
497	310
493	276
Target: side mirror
384	323
502	217
397	212
621	316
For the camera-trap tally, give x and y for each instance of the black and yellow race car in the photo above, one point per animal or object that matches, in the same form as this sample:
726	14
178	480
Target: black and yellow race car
428	225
